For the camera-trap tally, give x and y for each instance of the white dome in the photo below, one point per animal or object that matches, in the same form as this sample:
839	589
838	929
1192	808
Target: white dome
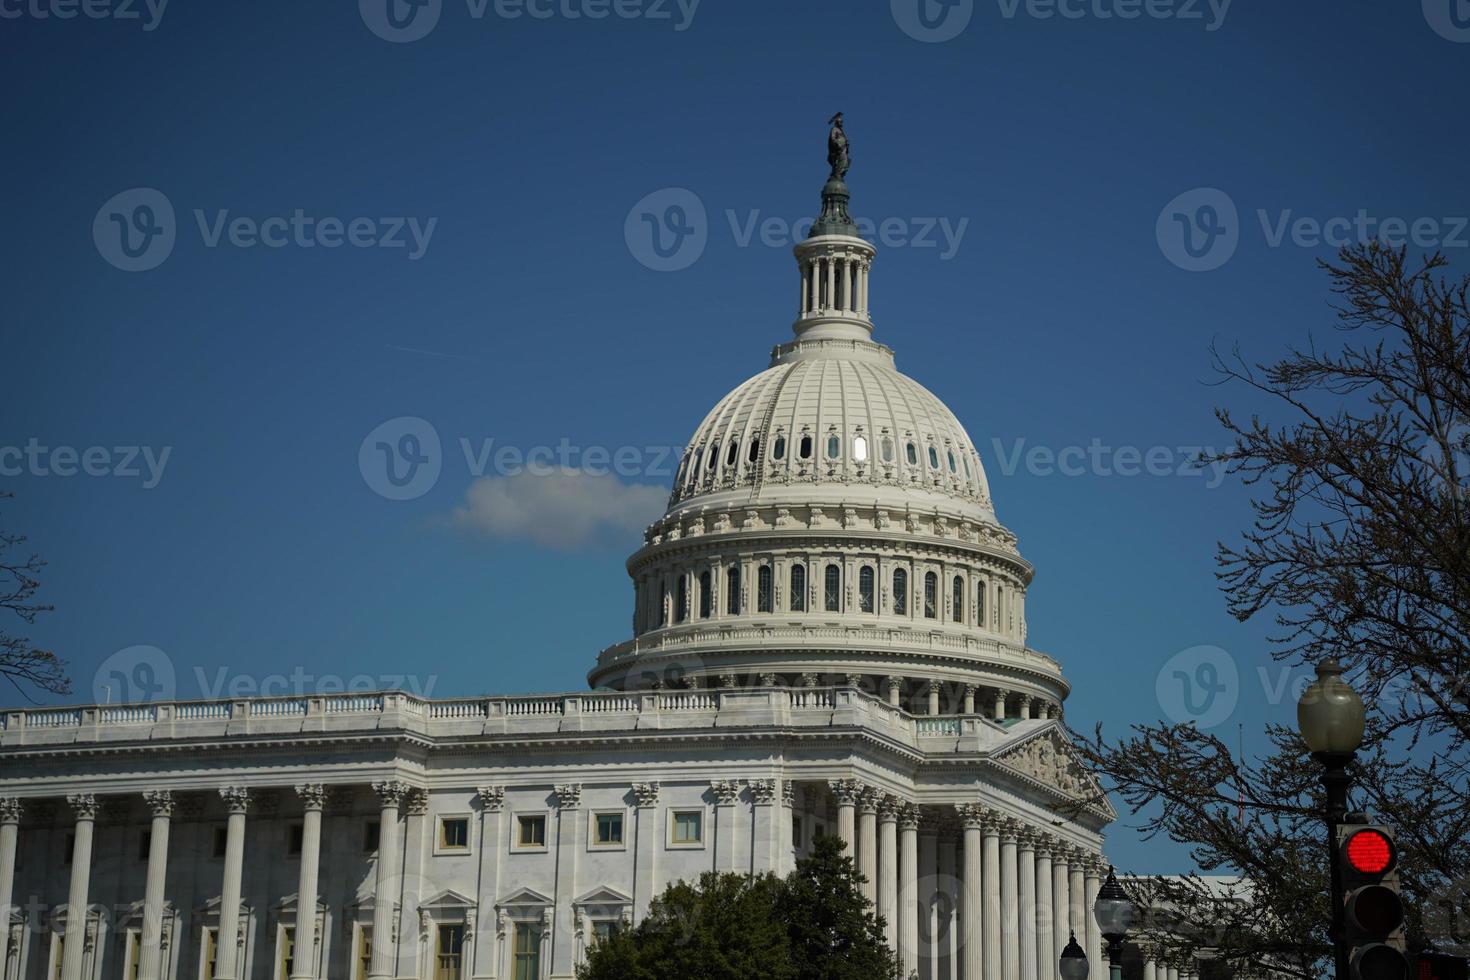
834	417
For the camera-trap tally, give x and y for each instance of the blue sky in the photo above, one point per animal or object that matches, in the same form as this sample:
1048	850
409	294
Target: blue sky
1028	170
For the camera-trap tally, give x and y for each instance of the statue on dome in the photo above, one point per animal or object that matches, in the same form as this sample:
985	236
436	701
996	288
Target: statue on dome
837	155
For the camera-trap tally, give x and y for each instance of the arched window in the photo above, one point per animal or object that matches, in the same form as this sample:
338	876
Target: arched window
953	468
763	589
714	455
912	454
958	599
865	589
798	588
1000	601
755	450
965	458
730	453
859	449
706	595
933	458
900	592
980	605
779	451
698	458
833	590
887	450
806	447
681	599
931	595
834	447
732	590
663	604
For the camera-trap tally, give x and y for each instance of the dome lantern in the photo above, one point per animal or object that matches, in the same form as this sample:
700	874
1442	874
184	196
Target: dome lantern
834	260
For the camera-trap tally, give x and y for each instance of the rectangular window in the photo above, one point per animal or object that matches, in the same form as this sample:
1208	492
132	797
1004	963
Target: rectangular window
288	952
609	828
688	827
796	837
71	844
145	840
294	835
135	945
530	831
527	952
58	951
763	589
832	592
364	960
605	929
221	838
454	833
206	954
451	953
371	833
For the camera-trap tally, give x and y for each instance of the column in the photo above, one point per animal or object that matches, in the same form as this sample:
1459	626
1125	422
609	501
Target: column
84	805
1173	973
933	697
568	849
1150	968
237	802
150	952
1010	957
805	290
863	287
1026	910
888	868
1061	903
868	842
727	794
990	885
947	928
416	844
928	901
11	808
848	304
786	855
1000	704
645	884
910	898
1023	706
972	815
846	791
1076	916
766	850
390	798
313	798
831	264
969	699
1046	955
813	269
1092	885
895	689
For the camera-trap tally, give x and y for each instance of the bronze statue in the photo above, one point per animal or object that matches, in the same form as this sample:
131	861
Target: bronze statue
837	155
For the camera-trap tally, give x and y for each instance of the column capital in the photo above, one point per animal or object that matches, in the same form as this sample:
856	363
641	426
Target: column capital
727	791
84	805
418	802
568	796
763	791
645	795
1046	844
160	802
972	815
313	796
788	793
869	799
1061	853
12	808
1025	836
391	792
847	791
908	816
888	808
237	798
1093	864
1010	830
492	798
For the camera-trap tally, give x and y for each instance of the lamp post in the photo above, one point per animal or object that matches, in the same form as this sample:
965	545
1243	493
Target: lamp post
1114	914
1074	961
1330	715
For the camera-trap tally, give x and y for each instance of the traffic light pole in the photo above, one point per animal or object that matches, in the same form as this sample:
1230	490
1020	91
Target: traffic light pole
1336	780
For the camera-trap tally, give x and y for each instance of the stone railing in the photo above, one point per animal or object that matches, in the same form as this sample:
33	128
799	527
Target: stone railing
512	716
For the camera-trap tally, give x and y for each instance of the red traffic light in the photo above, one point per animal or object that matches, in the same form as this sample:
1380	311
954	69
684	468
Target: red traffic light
1369	852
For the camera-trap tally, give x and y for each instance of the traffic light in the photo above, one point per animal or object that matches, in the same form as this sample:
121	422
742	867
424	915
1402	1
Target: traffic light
1441	966
1373	909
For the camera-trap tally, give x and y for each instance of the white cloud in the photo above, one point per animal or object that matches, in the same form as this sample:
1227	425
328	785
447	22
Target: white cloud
562	508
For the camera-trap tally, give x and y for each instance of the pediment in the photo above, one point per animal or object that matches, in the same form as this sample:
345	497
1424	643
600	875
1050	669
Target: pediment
447	899
524	896
604	896
1048	757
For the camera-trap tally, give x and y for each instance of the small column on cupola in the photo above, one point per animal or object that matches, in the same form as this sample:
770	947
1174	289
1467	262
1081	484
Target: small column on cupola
833	260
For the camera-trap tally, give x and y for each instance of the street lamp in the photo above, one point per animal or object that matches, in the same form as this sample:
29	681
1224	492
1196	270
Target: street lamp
1330	715
1114	914
1074	961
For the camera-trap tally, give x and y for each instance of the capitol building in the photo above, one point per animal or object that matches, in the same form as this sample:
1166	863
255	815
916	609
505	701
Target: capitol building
829	636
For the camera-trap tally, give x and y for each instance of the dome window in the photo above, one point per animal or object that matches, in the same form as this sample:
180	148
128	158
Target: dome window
730	453
912	453
833	590
980	605
931	595
959	599
714	455
798	588
763	589
933	458
900	592
681	599
860	449
965	458
834	446
865	589
732	590
755	450
779	450
953	466
698	458
706	595
806	447
887	450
